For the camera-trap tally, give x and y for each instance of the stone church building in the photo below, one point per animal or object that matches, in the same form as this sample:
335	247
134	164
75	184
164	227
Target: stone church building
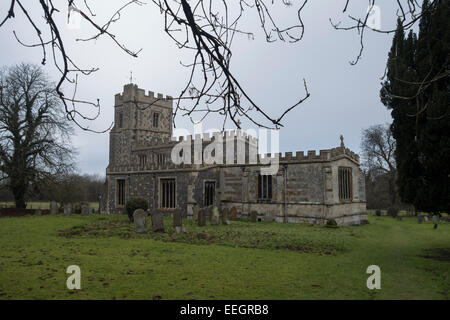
305	187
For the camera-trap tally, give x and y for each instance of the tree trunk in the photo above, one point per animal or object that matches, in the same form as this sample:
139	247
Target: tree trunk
19	196
392	191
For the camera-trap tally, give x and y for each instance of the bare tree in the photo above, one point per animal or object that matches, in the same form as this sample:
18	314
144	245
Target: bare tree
378	147
207	28
34	130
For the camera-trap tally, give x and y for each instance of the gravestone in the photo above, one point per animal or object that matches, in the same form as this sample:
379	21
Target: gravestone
268	217
210	213
225	218
201	217
195	213
425	218
253	216
435	221
68	210
215	216
139	216
178	221
91	210
38	212
398	218
53	207
84	209
419	219
157	221
233	213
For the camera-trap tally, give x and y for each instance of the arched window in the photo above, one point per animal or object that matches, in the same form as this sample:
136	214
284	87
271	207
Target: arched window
210	190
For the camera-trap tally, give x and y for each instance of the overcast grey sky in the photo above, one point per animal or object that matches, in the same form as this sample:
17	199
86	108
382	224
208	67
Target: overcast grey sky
344	98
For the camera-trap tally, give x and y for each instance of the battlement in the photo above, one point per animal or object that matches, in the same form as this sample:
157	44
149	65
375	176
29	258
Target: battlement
225	135
311	155
288	157
131	92
238	135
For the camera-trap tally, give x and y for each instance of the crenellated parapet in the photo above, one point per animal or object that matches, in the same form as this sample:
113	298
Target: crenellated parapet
224	135
131	93
250	145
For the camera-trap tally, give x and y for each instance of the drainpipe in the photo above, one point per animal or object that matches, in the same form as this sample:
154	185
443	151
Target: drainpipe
285	193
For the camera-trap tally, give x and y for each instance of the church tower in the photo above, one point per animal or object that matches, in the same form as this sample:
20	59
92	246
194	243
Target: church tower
139	119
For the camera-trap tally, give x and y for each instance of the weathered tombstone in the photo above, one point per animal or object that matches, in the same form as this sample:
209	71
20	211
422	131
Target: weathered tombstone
215	216
157	221
38	212
268	217
425	218
419	219
195	213
139	216
435	221
225	218
201	217
68	209
91	210
178	221
84	209
210	213
233	213
53	207
253	216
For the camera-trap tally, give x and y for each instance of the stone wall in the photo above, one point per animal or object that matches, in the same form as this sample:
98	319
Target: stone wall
305	188
134	110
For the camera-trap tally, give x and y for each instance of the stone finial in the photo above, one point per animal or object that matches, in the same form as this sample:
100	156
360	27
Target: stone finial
342	141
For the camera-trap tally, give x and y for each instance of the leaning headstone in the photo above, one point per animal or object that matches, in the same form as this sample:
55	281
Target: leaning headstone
419	219
38	212
67	210
253	216
435	221
215	216
178	221
84	209
201	217
157	221
225	218
195	213
53	207
233	213
139	216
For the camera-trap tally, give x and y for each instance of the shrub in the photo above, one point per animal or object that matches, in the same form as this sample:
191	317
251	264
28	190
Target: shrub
331	223
134	204
378	213
392	211
76	208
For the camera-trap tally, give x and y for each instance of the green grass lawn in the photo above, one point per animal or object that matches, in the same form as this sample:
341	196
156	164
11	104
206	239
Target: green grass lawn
240	261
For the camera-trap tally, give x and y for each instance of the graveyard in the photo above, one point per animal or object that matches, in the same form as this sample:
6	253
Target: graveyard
216	258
